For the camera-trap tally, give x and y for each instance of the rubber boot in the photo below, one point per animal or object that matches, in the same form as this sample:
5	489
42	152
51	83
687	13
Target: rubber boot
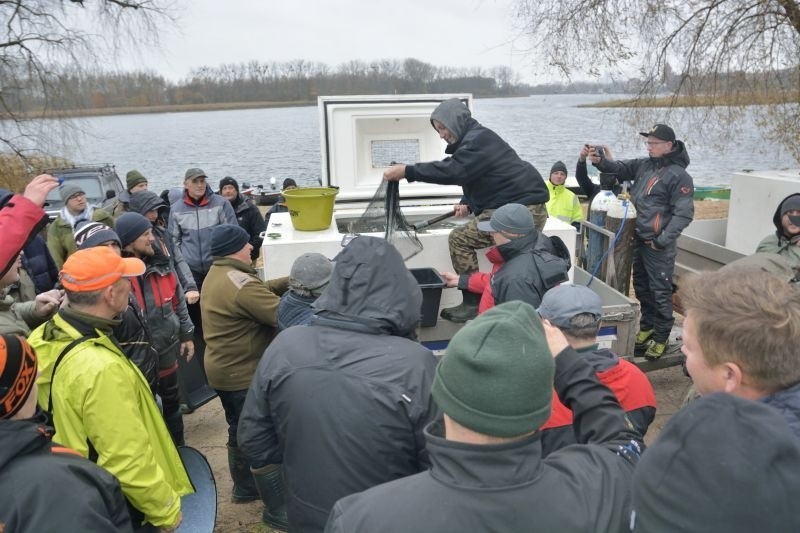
466	310
244	486
270	484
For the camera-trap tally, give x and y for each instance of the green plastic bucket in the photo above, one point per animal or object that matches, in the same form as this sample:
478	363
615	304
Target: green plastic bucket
311	208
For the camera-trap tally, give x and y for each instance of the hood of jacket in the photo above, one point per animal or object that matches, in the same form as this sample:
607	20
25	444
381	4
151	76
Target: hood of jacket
776	218
679	156
142	202
370	286
516	246
454	115
20	437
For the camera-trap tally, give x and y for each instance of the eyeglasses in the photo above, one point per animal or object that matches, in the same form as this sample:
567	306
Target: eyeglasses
653	143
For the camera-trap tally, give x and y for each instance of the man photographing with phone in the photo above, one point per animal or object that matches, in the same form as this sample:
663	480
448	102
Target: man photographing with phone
662	193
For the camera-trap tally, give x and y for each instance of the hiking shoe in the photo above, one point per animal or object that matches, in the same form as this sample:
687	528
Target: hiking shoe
460	313
655	350
642	342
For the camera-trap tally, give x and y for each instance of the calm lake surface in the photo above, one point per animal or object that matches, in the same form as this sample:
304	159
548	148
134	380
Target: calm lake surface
253	145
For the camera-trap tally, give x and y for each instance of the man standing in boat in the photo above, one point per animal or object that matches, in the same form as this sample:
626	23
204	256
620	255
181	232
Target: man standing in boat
662	193
491	175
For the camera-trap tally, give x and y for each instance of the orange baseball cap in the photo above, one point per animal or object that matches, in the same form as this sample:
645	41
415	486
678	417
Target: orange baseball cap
96	268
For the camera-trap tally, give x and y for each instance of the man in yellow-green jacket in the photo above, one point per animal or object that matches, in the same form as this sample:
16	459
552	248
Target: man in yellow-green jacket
563	203
101	403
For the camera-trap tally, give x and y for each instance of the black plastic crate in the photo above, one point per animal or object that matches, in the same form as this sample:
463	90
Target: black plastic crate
431	284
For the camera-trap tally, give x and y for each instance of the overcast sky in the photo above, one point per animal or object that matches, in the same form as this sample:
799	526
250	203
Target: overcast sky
458	33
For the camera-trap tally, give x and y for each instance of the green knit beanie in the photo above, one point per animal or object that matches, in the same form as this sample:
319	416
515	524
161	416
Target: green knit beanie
496	377
134	178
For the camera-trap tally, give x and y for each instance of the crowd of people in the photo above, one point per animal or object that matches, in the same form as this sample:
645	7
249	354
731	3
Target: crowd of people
338	418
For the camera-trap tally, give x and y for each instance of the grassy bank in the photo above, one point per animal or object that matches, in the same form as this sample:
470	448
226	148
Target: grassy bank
16	173
177	108
702	100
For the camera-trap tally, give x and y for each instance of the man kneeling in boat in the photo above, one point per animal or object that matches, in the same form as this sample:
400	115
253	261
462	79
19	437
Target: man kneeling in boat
491	174
524	263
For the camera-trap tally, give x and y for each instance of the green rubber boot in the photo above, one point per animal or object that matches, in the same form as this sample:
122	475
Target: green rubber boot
466	310
270	484
655	350
244	487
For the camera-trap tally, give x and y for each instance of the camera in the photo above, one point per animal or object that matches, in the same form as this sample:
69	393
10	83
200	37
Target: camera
599	151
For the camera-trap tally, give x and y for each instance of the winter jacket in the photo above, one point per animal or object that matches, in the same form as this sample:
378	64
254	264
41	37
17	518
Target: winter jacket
39	264
484	165
586	185
133	336
144	201
523	269
160	296
779	243
249	218
662	193
509	487
278	207
342	403
60	238
787	401
18	318
190	225
20	221
239	313
563	204
295	310
47	487
103	407
629	384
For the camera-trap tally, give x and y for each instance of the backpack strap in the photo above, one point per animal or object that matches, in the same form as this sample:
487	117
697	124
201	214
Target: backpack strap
64	352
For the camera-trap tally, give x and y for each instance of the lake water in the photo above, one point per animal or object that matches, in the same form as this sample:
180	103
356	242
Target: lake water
253	145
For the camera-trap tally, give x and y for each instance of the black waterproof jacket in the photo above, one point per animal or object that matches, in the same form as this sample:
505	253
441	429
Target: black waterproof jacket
49	488
509	487
484	165
342	403
662	193
249	218
531	268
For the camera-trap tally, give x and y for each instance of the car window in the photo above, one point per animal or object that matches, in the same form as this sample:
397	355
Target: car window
89	184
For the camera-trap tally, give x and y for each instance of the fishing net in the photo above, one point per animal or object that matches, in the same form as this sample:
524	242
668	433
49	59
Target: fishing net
383	215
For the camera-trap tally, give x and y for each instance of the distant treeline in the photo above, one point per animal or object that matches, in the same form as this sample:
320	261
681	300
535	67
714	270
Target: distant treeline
302	81
292	81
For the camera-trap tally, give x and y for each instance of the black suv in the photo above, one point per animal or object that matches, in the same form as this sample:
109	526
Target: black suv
95	180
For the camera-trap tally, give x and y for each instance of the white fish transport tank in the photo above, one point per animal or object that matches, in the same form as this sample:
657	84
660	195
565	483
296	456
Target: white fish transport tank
360	137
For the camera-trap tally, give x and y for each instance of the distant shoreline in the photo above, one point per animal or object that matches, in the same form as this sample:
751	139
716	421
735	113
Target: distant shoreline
170	108
699	101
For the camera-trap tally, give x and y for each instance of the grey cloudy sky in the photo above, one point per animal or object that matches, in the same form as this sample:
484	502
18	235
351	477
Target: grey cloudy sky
456	33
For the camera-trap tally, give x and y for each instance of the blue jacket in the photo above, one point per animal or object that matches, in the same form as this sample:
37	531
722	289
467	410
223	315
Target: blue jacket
295	310
787	401
39	264
190	227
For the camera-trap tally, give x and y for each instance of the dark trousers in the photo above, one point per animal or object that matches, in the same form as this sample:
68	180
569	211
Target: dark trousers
652	281
232	403
170	399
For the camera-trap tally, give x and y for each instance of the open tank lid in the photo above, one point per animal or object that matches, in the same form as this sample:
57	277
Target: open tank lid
361	136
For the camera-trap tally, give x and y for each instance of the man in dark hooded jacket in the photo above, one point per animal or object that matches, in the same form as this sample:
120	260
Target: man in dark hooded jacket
662	193
491	174
341	403
247	214
494	386
786	239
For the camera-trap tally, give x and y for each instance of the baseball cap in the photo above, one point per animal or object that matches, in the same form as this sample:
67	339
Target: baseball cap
660	131
511	218
193	173
561	303
96	268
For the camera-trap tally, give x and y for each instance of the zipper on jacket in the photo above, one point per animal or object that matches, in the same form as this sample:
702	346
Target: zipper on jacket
650	184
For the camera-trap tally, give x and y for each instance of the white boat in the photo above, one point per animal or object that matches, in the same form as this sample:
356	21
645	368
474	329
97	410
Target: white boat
362	135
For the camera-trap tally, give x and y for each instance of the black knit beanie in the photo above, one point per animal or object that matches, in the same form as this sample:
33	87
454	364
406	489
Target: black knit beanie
227	180
558	166
130	226
496	377
227	239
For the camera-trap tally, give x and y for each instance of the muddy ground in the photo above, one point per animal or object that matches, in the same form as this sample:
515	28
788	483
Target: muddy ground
206	429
